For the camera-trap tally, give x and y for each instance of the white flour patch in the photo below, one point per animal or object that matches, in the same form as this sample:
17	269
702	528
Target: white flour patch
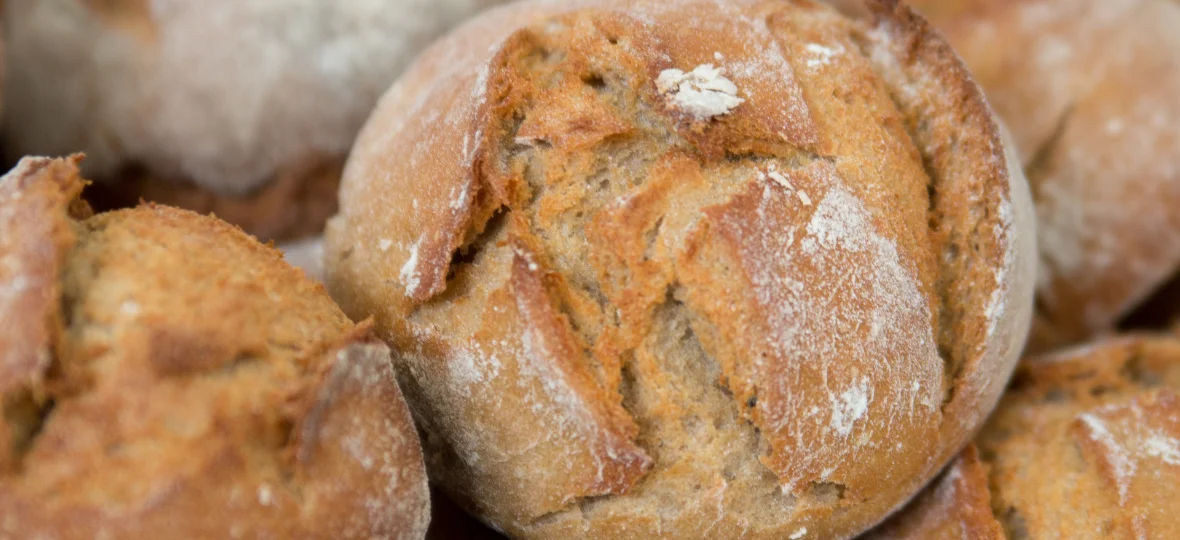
850	407
1163	447
703	92
780	179
265	497
410	274
1120	461
821	55
469	367
129	308
997	303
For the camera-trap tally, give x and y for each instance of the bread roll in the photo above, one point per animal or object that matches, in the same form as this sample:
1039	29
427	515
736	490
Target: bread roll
688	269
163	375
1085	445
1089	89
218	100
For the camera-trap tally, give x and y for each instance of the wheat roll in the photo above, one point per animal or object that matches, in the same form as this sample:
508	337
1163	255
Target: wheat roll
1085	445
163	375
688	269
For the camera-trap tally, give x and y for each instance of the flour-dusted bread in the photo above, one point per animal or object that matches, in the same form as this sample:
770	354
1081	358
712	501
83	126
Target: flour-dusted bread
243	108
688	269
1086	444
164	375
1089	89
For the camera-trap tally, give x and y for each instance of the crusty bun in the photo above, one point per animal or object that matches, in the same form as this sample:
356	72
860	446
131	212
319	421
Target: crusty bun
215	98
1089	89
1085	445
688	268
164	375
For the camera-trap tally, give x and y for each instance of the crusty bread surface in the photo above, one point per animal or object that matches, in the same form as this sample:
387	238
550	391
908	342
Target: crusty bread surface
1089	89
164	375
688	269
1086	444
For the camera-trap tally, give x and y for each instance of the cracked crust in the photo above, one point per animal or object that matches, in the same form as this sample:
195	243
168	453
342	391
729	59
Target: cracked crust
758	312
167	375
1085	445
1088	88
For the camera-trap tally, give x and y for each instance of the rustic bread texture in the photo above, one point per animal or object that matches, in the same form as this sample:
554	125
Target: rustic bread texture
1089	89
217	99
164	375
956	505
1086	444
688	269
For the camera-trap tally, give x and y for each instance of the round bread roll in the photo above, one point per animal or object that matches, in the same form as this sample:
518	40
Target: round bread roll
1086	444
1089	89
245	109
688	269
163	375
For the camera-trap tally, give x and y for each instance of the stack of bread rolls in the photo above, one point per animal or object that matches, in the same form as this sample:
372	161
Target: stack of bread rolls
591	268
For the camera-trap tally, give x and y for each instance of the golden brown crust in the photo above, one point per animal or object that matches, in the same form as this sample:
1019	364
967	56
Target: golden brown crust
196	387
956	505
728	303
36	199
1088	88
1085	445
1088	440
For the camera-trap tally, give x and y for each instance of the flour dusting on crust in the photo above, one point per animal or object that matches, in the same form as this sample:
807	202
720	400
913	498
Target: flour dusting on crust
703	92
410	273
1136	440
858	290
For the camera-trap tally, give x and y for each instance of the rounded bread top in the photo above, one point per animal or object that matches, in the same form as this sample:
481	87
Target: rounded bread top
558	199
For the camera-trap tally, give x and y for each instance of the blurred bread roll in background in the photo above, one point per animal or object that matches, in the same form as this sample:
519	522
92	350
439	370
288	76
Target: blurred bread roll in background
242	108
1089	89
1086	444
163	375
688	268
